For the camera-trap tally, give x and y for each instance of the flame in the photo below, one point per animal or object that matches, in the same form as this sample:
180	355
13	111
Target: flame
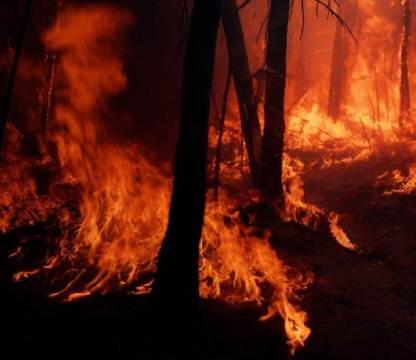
403	184
232	253
339	234
296	209
111	242
116	183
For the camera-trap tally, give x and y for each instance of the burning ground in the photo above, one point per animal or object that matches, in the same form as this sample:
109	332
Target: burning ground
83	216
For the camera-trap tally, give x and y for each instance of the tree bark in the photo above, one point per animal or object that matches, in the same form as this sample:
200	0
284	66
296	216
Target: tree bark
218	150
274	121
340	55
404	67
7	99
239	61
176	285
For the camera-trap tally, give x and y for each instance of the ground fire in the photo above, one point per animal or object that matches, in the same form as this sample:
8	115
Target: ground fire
208	179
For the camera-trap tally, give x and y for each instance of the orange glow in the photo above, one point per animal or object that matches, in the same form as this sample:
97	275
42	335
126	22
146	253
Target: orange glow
111	241
124	199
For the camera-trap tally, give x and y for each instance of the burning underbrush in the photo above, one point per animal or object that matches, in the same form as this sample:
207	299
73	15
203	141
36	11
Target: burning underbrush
110	204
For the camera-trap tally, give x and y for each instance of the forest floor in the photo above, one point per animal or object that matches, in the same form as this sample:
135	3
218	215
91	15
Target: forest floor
361	305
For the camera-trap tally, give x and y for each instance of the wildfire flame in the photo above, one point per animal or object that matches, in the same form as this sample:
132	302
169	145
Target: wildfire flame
111	240
124	199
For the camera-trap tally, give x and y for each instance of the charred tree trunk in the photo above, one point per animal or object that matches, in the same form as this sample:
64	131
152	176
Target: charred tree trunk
274	120
404	67
340	55
239	61
218	150
7	99
176	286
48	83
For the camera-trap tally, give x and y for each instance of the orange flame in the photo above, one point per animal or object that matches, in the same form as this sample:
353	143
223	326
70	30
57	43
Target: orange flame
124	199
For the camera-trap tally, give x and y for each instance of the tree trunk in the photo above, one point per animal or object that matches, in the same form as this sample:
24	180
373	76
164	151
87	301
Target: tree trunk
7	99
218	150
48	84
274	121
404	68
340	55
239	61
176	286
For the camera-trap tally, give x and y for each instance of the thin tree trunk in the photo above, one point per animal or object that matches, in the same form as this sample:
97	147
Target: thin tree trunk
243	84
47	92
218	151
48	84
404	67
176	286
6	103
340	55
274	121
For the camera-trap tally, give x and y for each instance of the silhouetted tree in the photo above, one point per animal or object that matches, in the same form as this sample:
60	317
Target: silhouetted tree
7	99
176	286
404	67
240	68
274	121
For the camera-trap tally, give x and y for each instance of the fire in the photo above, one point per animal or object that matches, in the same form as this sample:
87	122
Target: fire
297	210
233	254
339	234
109	240
112	242
114	182
403	184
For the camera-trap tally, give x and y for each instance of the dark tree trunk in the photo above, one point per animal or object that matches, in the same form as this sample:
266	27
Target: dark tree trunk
48	83
218	150
274	121
176	286
7	99
340	55
404	67
239	61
